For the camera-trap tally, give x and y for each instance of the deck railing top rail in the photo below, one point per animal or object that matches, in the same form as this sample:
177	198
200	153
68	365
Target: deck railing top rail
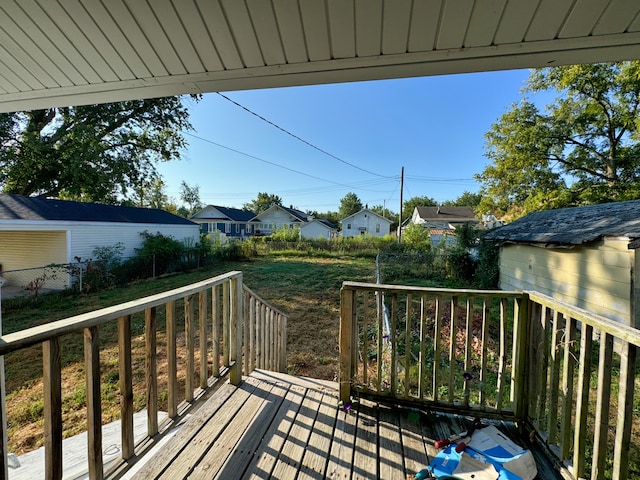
388	288
605	325
34	335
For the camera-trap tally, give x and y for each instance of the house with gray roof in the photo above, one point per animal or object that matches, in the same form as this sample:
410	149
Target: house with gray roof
442	222
277	217
585	256
36	231
230	222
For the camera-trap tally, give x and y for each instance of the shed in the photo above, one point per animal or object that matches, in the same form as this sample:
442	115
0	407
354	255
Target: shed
585	256
318	228
37	231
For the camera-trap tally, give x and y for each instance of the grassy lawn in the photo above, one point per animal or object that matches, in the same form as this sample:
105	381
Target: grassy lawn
306	289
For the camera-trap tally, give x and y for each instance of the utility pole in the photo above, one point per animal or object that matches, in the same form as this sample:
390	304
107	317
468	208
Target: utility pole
400	214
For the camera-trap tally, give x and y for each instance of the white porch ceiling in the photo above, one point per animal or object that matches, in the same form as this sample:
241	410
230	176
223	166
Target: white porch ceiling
63	52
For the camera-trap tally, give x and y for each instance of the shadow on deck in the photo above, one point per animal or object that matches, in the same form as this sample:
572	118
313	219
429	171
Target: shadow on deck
279	426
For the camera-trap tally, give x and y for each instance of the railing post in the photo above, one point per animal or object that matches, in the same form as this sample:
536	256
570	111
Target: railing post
346	334
235	376
520	354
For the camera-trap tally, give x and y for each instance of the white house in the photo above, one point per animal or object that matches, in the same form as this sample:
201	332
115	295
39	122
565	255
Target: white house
231	222
277	217
442	222
35	231
318	228
365	222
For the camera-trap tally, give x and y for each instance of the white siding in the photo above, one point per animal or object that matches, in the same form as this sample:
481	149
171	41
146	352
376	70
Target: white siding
85	238
595	277
274	220
315	230
365	222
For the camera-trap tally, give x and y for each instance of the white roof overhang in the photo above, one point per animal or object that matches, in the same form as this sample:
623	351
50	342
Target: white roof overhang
70	52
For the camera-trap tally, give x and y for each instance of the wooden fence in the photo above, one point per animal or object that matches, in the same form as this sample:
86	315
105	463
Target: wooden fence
232	324
512	355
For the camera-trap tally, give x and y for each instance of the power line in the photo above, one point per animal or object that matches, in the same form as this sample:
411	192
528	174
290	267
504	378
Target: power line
300	139
272	163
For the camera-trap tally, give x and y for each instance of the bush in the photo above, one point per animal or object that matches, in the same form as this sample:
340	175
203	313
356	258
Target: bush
165	251
487	274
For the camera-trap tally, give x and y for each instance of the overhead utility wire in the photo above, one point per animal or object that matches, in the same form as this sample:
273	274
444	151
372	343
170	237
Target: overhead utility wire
270	163
300	139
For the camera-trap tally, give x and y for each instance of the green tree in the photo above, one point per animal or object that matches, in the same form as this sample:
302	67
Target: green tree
385	212
150	193
409	205
584	149
349	205
417	237
262	203
467	199
91	152
191	197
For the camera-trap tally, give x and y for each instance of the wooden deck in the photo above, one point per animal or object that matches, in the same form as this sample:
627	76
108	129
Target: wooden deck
280	426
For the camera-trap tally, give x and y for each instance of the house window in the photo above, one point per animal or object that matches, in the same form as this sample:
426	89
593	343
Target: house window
377	228
348	226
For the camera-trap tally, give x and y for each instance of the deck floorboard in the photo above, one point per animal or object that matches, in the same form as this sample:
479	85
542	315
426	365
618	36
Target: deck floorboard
279	426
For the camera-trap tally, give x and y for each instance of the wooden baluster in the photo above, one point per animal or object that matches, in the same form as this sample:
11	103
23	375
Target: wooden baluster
94	408
436	349
189	344
215	330
567	388
467	350
204	347
603	399
582	407
126	386
483	354
625	411
151	369
52	380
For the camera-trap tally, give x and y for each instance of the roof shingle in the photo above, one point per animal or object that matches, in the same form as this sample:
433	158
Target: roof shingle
20	207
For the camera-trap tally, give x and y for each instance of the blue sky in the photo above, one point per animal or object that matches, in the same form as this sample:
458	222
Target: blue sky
433	126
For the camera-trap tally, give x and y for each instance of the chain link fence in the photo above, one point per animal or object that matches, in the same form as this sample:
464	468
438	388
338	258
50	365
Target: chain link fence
412	268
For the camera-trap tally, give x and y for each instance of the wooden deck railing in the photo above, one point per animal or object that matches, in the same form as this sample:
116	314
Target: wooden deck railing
495	353
225	309
577	363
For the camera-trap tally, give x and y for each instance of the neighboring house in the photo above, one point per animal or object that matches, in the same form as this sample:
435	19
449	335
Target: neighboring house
277	217
365	222
585	256
35	231
442	222
231	222
444	218
318	228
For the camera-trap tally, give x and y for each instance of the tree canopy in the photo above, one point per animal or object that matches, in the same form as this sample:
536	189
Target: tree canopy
262	202
190	196
409	205
93	152
349	204
583	149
